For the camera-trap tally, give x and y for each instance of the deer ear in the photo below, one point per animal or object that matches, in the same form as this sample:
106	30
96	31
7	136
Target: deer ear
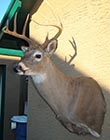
24	48
51	47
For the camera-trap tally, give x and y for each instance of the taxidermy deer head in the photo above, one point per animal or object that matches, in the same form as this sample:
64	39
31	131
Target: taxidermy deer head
78	103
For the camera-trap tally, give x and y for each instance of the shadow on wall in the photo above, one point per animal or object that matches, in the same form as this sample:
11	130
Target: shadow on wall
42	124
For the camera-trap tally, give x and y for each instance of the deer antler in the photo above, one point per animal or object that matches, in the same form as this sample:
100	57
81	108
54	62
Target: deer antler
73	43
47	40
14	32
60	28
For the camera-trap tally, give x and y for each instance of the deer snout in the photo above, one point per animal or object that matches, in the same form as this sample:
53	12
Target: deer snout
20	68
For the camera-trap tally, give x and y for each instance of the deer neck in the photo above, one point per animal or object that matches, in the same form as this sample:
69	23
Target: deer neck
50	75
50	85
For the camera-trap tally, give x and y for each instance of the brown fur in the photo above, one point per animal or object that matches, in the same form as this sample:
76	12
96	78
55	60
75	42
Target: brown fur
77	102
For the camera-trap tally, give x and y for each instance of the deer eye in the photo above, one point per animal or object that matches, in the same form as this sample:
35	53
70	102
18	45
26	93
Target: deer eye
38	56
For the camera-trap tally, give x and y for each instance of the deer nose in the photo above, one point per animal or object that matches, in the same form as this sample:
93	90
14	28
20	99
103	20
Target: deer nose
15	68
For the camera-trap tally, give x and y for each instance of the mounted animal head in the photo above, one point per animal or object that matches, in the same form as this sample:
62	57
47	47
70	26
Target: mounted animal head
35	54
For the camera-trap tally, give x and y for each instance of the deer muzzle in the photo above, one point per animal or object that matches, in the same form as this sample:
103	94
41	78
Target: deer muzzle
20	68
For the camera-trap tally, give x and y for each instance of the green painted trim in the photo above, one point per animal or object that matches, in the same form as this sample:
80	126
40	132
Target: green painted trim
16	5
11	52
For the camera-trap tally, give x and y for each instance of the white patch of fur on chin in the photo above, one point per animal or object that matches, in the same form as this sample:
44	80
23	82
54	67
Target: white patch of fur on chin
39	78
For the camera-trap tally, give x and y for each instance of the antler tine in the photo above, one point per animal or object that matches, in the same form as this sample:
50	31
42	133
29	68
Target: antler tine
25	24
55	37
60	28
73	43
14	32
15	19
